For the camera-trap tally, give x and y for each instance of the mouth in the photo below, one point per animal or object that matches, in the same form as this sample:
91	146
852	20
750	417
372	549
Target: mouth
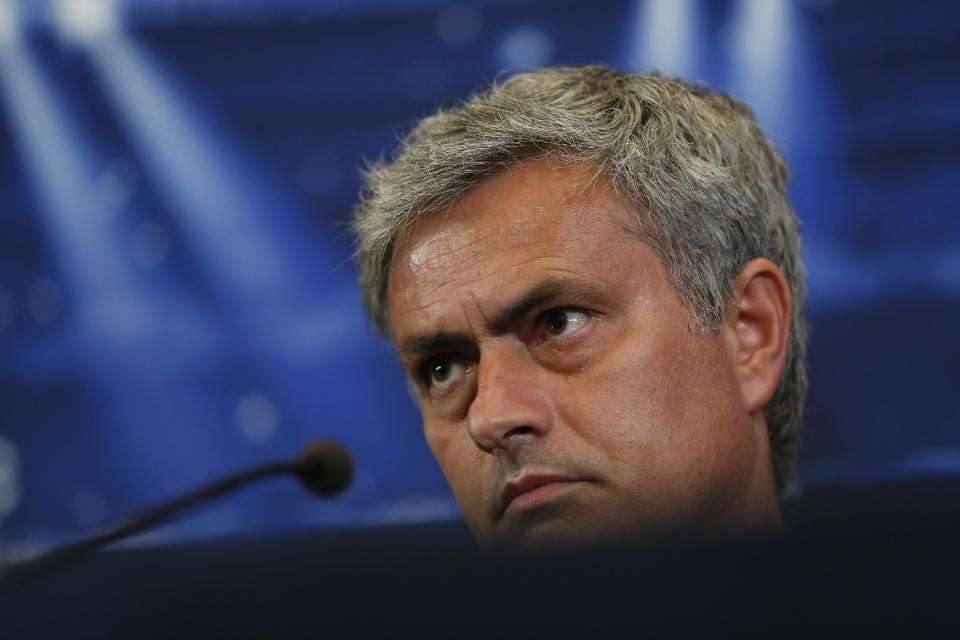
532	490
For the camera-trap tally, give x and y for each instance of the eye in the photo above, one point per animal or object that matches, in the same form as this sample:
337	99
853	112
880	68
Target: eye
560	323
441	371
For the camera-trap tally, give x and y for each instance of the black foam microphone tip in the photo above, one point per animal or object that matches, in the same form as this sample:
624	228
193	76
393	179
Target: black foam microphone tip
325	468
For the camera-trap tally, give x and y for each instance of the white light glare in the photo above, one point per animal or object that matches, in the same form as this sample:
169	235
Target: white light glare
9	22
85	20
668	42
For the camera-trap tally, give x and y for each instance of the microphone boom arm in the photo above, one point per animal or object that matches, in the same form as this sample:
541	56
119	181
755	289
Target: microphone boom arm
323	468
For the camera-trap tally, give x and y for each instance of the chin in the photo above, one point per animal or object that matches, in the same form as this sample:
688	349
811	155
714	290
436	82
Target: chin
562	534
557	535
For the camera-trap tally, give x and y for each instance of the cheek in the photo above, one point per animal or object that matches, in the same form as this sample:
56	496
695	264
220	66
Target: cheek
460	460
712	413
629	410
663	407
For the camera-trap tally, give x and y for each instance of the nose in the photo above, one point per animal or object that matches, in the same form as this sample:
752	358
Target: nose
511	407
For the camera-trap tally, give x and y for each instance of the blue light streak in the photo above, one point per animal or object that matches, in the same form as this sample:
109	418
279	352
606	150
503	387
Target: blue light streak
665	38
123	330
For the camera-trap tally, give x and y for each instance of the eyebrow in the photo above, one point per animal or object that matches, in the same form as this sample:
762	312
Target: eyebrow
542	293
431	343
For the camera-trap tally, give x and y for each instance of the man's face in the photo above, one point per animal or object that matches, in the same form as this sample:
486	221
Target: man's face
563	392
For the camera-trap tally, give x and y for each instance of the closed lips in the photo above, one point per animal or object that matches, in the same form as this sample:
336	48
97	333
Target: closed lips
527	484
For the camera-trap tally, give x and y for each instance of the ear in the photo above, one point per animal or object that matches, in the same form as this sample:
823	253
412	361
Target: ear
757	328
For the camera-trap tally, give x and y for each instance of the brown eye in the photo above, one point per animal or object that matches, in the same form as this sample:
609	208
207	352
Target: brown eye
562	322
441	371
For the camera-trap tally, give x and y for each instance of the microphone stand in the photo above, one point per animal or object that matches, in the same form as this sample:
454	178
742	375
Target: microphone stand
323	468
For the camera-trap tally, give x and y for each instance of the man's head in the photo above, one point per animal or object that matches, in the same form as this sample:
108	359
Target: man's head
593	280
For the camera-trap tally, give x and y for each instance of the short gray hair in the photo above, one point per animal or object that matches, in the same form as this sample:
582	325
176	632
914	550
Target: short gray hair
708	187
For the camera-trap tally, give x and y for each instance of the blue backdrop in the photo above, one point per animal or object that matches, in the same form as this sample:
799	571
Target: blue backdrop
176	293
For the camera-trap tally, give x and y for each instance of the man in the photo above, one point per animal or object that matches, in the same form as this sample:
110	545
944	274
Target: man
593	282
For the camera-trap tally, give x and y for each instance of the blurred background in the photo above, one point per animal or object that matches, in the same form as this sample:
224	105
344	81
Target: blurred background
177	298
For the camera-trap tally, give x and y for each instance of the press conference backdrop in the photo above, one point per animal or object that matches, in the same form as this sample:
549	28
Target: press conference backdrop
177	298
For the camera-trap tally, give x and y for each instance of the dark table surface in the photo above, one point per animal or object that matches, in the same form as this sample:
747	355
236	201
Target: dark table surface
878	559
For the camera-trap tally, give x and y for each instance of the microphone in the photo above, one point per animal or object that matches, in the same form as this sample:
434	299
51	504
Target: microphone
324	468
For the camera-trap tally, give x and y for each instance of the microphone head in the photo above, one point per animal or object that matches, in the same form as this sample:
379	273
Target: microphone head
325	468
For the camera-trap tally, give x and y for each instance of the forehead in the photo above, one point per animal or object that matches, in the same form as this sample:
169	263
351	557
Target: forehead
540	219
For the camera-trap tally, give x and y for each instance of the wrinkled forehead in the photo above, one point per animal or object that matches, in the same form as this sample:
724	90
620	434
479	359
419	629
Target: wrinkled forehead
538	213
520	198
